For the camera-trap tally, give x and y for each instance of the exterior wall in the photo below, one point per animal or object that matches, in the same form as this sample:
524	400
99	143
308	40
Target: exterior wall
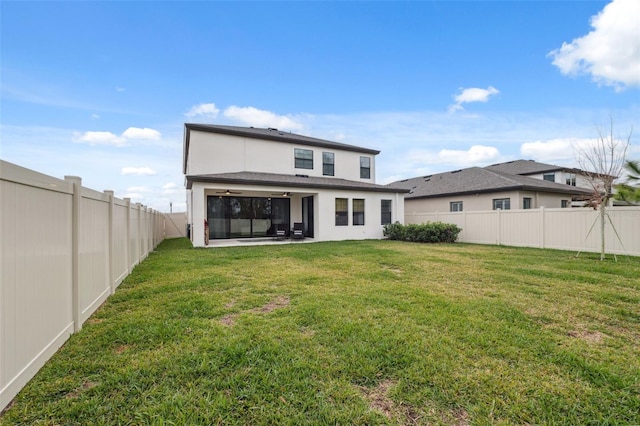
561	177
218	153
324	210
63	250
562	229
485	201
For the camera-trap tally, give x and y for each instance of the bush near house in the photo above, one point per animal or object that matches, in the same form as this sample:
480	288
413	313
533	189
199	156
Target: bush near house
430	232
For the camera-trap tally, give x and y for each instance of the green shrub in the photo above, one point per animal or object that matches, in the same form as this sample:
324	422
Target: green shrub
430	232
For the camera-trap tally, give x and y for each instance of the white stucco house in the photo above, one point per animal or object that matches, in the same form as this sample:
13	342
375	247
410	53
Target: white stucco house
246	182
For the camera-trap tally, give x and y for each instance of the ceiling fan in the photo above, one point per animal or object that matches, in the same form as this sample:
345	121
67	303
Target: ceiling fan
227	192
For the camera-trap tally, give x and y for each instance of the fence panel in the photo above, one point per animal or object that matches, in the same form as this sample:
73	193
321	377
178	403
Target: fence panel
64	249
36	273
120	260
93	251
576	229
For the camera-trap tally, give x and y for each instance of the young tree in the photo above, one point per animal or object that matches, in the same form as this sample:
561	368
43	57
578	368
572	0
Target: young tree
630	190
603	163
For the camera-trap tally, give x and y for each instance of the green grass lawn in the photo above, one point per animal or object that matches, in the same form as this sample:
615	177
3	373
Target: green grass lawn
353	333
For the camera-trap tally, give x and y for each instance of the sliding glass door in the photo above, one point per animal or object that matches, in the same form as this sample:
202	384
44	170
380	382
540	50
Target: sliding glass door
246	217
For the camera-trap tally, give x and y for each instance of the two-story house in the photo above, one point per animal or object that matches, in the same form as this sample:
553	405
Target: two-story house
246	182
502	186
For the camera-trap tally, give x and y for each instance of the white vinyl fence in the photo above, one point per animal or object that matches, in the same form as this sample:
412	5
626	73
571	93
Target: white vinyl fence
560	228
64	249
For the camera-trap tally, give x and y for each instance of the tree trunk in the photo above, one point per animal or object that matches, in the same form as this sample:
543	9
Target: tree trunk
602	213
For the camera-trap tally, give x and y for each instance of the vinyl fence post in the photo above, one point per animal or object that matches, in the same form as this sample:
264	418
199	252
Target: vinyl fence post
543	225
76	310
111	231
128	240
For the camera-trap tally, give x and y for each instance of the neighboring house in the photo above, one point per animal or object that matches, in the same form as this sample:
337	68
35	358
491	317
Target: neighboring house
549	172
248	182
478	188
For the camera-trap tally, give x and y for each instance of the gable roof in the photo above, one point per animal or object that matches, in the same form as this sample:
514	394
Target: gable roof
266	134
296	181
527	167
476	180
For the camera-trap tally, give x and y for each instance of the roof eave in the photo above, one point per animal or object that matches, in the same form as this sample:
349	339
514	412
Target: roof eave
276	137
240	181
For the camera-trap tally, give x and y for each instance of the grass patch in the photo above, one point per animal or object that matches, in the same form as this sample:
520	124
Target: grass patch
358	333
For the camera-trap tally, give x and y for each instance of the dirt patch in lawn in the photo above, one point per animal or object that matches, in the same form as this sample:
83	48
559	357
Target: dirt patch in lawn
588	336
85	386
379	400
228	320
277	303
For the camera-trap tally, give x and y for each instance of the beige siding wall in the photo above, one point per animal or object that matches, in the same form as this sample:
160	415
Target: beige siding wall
564	229
63	249
485	201
216	153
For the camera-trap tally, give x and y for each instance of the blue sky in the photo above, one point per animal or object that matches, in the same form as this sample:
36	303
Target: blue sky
102	90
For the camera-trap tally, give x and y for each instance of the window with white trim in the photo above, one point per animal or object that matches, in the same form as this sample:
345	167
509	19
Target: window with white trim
455	206
385	212
342	212
502	203
328	163
303	158
358	211
365	168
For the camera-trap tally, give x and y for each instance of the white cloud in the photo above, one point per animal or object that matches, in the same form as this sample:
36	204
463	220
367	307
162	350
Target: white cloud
477	155
138	171
560	149
141	133
472	94
203	112
111	139
610	53
260	118
100	138
94	116
169	185
120	89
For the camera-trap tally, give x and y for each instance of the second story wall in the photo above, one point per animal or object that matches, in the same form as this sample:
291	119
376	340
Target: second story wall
219	153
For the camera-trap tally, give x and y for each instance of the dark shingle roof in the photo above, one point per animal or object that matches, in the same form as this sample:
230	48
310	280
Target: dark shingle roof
268	134
296	181
479	180
526	167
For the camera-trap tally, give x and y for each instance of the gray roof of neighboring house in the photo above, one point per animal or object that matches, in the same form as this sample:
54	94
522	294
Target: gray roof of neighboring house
296	181
527	167
479	180
267	134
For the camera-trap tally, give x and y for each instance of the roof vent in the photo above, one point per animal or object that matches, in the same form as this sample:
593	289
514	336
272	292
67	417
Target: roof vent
427	180
272	129
427	176
456	171
404	180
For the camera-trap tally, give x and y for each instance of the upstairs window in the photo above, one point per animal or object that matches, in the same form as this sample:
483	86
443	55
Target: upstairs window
342	212
304	158
358	211
551	177
564	204
526	203
365	168
455	206
502	203
385	212
328	162
571	179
